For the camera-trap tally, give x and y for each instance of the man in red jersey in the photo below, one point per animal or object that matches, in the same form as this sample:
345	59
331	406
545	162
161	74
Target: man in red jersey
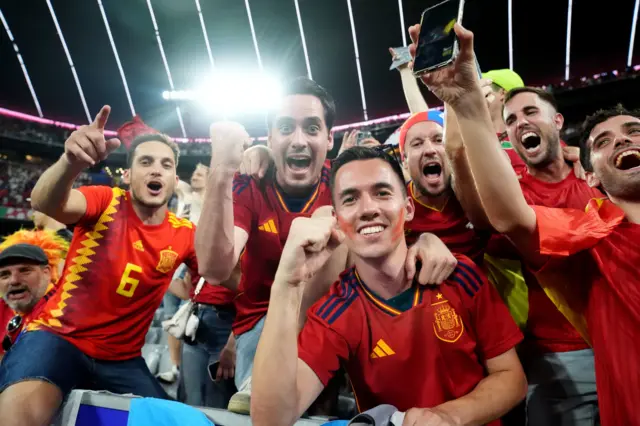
438	352
437	210
243	215
125	248
588	255
558	362
254	217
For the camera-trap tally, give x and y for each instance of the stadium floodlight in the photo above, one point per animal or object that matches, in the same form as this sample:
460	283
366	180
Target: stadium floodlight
510	21
304	42
357	54
403	30
253	34
164	61
232	93
22	65
115	54
568	53
73	68
206	37
634	24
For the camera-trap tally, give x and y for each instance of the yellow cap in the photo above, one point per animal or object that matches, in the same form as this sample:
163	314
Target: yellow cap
507	79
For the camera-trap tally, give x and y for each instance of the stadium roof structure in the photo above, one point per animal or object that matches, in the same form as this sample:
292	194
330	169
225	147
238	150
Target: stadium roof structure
64	59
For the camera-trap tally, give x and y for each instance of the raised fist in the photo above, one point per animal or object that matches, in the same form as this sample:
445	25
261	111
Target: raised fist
87	146
310	243
228	142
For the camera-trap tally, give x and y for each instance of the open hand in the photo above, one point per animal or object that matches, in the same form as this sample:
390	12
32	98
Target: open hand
87	146
438	263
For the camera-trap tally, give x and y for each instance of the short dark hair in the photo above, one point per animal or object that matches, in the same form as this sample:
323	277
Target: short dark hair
544	95
592	121
306	86
360	153
152	137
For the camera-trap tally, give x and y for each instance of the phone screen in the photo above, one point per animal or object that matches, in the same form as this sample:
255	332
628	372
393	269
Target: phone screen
437	40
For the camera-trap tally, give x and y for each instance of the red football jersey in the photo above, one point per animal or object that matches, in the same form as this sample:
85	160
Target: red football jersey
264	214
216	295
429	351
450	225
547	329
116	273
596	254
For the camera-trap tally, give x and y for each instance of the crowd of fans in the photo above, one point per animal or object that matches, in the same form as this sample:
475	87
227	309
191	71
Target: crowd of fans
18	179
448	283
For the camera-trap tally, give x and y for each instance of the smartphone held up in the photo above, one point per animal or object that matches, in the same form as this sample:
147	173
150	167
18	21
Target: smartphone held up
437	43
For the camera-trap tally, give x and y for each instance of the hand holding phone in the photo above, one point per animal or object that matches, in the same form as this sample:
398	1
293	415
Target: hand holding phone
452	83
437	45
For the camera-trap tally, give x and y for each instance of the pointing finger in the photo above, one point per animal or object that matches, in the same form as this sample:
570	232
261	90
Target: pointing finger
102	117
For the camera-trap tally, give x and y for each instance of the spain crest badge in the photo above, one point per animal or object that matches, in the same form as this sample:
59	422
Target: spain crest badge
447	324
167	260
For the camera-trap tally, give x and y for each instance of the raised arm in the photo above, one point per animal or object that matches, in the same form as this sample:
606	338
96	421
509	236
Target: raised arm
410	87
218	241
497	184
283	386
464	185
53	194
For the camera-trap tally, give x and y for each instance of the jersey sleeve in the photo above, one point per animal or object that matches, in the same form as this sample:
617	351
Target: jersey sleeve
321	347
496	331
563	232
243	202
190	259
98	199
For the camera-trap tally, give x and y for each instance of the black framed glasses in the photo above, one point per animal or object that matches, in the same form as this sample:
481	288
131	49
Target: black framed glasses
13	325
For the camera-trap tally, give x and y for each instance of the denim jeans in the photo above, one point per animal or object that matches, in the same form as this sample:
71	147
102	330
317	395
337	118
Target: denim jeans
562	389
196	386
45	356
246	345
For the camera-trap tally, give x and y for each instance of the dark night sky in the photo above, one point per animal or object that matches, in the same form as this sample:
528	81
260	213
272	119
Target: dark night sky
600	40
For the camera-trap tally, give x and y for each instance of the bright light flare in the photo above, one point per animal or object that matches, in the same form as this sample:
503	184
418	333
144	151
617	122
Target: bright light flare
233	93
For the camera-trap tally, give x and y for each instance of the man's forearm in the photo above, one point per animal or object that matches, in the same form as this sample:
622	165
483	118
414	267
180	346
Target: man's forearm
215	233
496	182
492	398
53	187
412	93
274	379
463	183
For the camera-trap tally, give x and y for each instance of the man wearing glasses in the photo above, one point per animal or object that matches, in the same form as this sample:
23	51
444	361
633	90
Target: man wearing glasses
25	275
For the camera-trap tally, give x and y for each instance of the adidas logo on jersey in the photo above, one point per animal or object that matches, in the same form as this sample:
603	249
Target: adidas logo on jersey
138	245
382	350
268	226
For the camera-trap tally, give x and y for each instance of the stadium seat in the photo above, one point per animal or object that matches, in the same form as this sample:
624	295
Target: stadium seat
90	408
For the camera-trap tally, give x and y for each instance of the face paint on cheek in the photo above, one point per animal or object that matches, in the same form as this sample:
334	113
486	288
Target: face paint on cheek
346	226
398	228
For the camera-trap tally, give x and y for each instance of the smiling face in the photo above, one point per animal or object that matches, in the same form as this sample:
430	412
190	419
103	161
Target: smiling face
22	285
300	140
426	159
615	157
534	128
152	175
371	206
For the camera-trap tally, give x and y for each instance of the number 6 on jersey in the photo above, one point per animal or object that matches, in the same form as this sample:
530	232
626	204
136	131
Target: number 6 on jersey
128	280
